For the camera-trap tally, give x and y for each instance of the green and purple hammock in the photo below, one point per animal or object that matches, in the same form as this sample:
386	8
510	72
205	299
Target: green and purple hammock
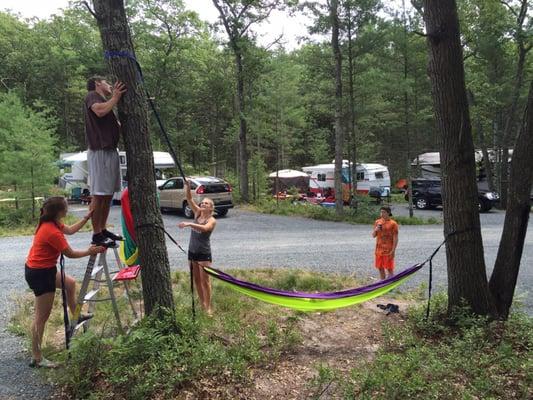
301	301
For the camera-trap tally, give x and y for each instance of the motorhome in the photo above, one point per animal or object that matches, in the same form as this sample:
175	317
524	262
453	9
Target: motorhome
368	176
77	179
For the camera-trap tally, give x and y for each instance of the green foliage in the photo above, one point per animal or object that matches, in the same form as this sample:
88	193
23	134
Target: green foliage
448	357
27	165
366	213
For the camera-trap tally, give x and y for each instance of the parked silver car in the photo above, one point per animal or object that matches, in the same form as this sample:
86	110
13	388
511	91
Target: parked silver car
172	194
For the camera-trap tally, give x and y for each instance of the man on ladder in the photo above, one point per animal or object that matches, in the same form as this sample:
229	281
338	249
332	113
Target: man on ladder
102	131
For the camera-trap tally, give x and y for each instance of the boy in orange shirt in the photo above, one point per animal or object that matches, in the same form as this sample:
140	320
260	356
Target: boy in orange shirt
386	234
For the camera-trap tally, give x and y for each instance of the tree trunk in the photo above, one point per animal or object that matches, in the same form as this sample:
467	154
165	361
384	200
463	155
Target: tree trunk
32	194
352	143
510	122
467	279
510	125
243	151
338	106
503	280
156	283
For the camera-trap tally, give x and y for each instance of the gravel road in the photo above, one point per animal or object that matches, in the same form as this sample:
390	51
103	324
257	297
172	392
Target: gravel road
249	240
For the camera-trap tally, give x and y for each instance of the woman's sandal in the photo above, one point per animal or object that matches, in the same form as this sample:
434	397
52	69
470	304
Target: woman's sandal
44	363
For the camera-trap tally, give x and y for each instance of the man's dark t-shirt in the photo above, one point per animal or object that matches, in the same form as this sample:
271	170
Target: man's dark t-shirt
102	133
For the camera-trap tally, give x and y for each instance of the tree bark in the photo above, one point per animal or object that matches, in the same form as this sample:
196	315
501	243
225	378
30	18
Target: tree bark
339	203
510	122
503	280
243	150
156	283
352	142
467	279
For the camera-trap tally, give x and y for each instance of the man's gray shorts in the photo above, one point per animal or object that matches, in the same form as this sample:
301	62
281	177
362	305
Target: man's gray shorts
104	172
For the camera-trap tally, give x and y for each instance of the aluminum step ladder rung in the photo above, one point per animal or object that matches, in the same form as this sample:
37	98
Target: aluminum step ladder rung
99	274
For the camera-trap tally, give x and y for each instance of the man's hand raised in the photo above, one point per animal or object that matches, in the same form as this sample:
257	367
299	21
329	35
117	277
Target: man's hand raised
118	90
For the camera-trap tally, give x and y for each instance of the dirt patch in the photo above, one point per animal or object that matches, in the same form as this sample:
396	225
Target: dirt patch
342	340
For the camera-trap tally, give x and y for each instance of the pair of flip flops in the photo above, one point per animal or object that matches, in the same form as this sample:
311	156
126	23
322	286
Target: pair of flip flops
390	308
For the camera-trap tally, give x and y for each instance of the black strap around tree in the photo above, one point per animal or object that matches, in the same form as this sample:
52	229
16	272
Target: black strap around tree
430	260
66	320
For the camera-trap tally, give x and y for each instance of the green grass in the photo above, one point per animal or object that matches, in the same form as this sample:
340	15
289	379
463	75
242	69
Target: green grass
457	357
366	213
463	357
153	361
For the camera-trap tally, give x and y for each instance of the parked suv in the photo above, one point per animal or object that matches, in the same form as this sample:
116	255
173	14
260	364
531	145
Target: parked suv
172	194
427	194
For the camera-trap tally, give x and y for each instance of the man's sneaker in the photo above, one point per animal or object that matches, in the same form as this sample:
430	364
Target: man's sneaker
100	240
111	235
43	363
84	317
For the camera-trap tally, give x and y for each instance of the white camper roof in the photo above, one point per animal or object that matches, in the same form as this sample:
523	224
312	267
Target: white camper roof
162	159
433	158
287	173
331	167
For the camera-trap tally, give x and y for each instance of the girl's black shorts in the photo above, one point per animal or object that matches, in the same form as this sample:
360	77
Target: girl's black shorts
199	257
41	280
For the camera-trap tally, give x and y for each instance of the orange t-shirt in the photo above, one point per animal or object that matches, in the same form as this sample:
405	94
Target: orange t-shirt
385	237
48	243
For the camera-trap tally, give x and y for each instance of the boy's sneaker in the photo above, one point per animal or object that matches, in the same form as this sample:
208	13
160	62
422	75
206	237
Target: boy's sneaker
111	235
43	363
100	240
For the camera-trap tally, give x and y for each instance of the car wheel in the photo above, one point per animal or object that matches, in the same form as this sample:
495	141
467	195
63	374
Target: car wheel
421	203
222	213
484	206
187	211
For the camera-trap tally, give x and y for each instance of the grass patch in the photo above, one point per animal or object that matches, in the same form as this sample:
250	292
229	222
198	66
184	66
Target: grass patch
463	357
367	212
153	362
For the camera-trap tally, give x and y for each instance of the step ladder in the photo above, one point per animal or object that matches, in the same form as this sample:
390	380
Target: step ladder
99	273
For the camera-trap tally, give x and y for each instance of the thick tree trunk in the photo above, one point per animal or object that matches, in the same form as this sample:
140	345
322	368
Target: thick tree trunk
467	279
503	280
510	123
243	150
352	142
156	283
338	106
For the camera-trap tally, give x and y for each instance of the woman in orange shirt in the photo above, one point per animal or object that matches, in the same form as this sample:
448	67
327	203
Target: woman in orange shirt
41	272
386	234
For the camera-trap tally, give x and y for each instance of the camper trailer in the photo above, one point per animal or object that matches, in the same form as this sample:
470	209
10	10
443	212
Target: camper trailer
77	180
368	176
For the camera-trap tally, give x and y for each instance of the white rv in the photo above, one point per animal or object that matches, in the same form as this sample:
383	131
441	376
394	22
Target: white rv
368	176
78	178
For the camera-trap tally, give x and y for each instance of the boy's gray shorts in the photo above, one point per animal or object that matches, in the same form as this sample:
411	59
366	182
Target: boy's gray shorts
104	172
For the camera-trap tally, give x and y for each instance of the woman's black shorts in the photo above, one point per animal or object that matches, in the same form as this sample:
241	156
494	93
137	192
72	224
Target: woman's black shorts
41	280
199	257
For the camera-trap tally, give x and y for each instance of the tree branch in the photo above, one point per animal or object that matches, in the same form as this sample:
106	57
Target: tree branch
505	3
90	10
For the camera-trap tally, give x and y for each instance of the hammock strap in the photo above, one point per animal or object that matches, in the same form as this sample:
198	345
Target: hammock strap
164	230
430	260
